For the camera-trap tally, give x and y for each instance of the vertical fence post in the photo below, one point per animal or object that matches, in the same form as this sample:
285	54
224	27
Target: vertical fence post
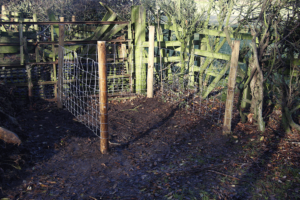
73	26
150	62
60	63
29	77
231	87
54	76
103	96
130	54
21	42
139	19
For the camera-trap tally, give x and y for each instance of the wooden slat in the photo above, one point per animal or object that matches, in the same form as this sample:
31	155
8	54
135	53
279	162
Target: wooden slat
74	23
66	42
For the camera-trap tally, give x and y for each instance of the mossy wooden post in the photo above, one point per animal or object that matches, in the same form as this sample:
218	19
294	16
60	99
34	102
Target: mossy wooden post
2	9
202	46
60	64
130	54
21	42
103	96
36	28
160	38
150	62
29	76
74	31
139	20
54	78
231	87
191	61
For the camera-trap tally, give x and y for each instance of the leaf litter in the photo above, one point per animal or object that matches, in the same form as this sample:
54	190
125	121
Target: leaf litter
158	152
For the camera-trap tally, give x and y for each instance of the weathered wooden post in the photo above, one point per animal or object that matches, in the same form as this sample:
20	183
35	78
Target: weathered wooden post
60	63
29	77
54	76
138	17
150	62
21	42
103	96
130	55
231	87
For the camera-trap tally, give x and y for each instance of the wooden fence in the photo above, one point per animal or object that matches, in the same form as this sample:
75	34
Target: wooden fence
135	37
17	71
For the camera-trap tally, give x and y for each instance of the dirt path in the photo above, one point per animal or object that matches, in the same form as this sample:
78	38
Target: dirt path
158	151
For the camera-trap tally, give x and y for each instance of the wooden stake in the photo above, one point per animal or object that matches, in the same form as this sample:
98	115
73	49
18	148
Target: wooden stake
138	14
231	87
54	69
30	85
150	62
60	64
103	97
21	43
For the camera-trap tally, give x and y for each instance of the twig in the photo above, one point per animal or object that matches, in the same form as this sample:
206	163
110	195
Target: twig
224	175
133	109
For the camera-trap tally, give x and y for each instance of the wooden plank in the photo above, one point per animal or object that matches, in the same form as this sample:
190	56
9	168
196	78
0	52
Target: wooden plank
65	81
66	23
242	36
197	51
231	87
60	64
163	43
66	42
204	53
30	85
54	69
150	62
139	19
103	97
21	43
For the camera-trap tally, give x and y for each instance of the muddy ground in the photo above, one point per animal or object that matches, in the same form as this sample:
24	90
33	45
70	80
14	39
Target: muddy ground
158	151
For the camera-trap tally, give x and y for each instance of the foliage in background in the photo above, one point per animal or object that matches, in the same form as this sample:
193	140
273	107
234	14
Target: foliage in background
84	10
274	45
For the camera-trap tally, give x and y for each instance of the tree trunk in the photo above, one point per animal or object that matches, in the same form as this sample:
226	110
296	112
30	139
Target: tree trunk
257	90
9	137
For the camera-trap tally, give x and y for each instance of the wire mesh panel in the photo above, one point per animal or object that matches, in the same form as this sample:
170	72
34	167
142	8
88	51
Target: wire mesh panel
81	81
81	89
177	79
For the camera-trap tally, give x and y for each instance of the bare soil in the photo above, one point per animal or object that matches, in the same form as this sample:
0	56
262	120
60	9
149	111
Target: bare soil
157	151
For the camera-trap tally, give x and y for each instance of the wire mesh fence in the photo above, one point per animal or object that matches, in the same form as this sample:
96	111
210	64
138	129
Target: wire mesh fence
181	82
178	82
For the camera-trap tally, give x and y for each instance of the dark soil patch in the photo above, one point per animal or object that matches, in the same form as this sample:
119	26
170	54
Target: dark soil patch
158	151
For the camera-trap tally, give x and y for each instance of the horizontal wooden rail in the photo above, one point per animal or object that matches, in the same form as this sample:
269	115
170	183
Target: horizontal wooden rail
66	42
57	23
163	44
13	65
65	81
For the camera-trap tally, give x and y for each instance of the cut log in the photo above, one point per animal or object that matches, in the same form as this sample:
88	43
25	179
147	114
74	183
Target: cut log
9	137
